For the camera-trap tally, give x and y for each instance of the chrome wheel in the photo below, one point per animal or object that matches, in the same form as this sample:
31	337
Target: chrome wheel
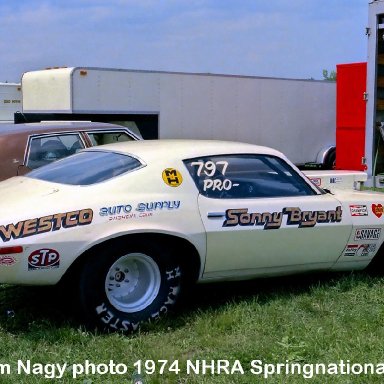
132	282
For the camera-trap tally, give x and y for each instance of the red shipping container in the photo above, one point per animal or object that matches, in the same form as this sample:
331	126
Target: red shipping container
350	116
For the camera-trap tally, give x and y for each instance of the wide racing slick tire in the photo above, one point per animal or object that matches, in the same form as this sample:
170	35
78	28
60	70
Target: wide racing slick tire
125	285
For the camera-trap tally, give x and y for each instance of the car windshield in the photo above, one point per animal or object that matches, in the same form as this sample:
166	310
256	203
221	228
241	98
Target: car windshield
86	168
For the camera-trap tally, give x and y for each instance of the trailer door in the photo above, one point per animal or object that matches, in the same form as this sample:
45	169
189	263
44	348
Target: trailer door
350	116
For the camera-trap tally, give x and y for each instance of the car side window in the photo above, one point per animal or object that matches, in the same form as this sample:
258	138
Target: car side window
100	138
246	176
48	148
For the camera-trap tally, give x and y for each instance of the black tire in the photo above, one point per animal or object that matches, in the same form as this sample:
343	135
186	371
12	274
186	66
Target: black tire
376	266
125	285
330	162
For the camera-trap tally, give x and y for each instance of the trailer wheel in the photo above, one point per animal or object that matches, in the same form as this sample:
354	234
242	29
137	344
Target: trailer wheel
330	162
122	287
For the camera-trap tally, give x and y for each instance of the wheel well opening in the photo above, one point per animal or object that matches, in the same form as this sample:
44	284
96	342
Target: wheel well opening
376	266
181	248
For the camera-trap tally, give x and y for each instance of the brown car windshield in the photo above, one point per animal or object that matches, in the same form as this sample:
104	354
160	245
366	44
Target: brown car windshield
86	168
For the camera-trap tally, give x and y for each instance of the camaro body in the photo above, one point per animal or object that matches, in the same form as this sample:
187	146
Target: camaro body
175	191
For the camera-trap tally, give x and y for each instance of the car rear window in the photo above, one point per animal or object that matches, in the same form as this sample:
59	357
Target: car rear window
86	168
246	176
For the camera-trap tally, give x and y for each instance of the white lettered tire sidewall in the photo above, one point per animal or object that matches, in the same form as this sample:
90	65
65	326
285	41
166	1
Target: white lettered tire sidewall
124	285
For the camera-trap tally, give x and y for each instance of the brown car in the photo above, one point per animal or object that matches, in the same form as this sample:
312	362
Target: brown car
28	146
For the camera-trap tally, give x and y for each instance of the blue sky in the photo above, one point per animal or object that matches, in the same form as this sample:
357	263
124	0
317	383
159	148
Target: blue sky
278	38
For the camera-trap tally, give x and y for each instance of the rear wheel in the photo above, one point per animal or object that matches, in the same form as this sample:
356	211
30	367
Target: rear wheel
125	285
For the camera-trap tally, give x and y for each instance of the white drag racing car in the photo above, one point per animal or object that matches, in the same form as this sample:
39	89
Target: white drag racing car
130	223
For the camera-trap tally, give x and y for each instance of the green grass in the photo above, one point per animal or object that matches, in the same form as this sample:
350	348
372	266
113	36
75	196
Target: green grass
306	319
374	189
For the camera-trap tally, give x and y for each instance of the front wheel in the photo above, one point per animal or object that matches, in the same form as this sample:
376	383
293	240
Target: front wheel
123	286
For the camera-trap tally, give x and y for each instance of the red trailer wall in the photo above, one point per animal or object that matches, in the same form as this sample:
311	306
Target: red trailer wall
350	116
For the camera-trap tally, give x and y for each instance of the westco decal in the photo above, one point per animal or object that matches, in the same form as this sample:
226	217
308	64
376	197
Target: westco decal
44	224
43	259
273	220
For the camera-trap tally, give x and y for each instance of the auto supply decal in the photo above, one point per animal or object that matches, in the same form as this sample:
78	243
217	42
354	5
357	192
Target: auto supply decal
115	210
125	211
172	177
158	205
44	224
273	220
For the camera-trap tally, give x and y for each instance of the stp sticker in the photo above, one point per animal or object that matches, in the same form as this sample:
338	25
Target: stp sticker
377	209
172	177
43	259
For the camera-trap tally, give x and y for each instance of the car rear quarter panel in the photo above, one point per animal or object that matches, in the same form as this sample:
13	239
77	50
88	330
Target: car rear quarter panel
140	202
366	210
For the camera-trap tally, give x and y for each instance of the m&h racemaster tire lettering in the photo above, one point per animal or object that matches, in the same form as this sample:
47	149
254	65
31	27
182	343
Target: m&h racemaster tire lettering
126	284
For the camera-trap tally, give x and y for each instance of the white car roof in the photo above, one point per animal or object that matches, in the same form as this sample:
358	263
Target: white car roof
183	149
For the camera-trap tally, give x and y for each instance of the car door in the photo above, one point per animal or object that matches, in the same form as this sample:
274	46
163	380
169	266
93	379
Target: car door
262	217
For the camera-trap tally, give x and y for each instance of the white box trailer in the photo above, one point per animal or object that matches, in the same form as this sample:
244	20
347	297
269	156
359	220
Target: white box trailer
374	133
296	117
375	84
10	101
